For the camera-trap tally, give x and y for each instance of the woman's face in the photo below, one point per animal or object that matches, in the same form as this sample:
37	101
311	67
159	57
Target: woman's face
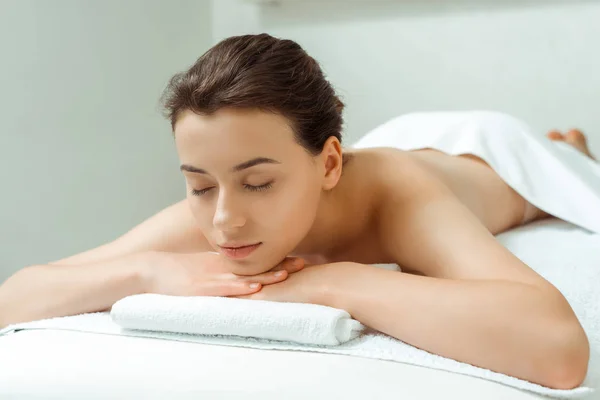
248	182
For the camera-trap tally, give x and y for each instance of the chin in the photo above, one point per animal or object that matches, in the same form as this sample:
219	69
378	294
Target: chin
264	265
252	267
249	271
261	261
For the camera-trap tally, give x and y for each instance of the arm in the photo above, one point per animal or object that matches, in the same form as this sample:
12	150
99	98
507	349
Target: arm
45	291
95	279
508	327
476	302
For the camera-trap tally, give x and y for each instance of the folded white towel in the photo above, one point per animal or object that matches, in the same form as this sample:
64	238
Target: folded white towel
309	324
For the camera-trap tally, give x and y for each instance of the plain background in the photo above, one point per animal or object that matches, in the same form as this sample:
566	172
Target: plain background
86	155
85	151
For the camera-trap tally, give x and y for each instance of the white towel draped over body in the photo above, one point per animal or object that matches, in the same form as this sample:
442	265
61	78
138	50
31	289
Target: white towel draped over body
553	176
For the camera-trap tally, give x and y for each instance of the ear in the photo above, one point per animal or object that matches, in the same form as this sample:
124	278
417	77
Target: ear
331	158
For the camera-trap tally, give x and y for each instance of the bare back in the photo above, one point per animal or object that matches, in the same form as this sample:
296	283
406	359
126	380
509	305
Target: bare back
467	179
498	206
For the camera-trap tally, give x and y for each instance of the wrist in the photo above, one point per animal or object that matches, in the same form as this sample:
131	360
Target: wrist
334	291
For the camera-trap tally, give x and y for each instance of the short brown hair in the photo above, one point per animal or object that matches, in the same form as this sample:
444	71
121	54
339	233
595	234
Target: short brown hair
263	72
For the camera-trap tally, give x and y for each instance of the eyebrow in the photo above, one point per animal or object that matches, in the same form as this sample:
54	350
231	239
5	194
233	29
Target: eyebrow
237	168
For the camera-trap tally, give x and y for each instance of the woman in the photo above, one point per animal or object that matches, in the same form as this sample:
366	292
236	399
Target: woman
257	128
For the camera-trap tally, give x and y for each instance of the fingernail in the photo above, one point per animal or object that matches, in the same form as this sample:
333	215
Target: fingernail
298	262
254	285
278	273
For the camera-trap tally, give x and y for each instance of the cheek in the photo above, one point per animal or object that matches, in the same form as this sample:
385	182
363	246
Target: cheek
291	217
200	212
290	208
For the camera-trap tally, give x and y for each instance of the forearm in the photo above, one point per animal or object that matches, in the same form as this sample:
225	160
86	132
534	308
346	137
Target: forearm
46	291
508	327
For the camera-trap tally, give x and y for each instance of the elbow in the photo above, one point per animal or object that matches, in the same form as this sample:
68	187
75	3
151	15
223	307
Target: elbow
10	307
567	358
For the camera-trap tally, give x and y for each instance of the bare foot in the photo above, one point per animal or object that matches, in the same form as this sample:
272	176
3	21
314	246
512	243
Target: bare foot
575	138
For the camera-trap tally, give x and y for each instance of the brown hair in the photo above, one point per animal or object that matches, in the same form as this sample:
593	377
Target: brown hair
264	72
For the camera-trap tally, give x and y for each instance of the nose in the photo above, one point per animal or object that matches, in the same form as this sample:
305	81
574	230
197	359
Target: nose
228	213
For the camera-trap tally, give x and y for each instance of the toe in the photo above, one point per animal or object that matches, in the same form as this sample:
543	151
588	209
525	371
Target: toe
576	136
555	135
577	139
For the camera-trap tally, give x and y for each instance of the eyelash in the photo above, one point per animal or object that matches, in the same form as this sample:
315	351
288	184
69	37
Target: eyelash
266	186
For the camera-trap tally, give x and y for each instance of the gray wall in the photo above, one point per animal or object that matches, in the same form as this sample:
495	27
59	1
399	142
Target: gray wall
535	59
84	151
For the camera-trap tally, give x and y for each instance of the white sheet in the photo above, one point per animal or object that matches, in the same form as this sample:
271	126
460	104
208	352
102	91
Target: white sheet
47	362
67	365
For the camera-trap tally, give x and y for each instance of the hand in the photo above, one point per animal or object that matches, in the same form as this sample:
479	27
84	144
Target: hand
208	274
312	284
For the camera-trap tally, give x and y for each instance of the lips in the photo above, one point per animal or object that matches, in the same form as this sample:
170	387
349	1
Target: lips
231	245
239	252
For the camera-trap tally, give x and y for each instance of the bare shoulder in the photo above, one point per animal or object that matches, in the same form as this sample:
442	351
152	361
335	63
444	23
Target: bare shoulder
426	229
172	229
398	174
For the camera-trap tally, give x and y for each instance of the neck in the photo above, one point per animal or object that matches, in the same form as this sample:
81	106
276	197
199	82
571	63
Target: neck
325	235
332	229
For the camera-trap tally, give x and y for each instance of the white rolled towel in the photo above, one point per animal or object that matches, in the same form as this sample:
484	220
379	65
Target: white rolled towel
309	324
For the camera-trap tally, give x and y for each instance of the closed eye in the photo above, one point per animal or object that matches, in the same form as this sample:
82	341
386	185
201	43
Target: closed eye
200	192
251	188
260	187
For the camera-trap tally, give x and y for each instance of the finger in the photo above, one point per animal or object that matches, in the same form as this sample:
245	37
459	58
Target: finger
295	265
223	288
232	288
282	265
243	288
271	277
266	278
290	264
